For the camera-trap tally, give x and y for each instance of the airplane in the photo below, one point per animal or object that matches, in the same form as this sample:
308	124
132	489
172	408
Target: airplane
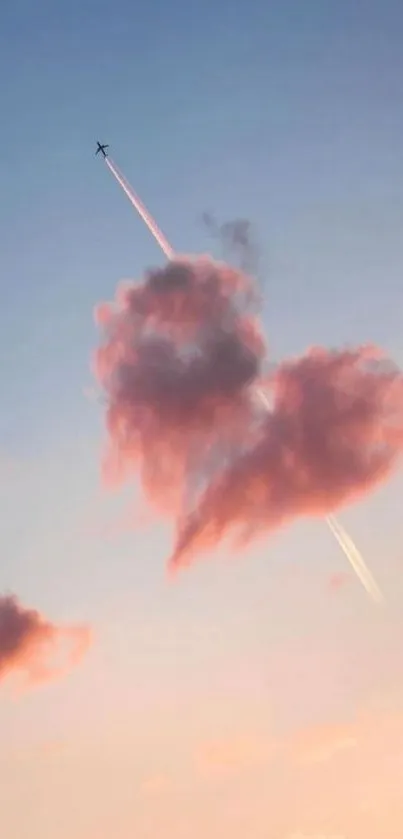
102	149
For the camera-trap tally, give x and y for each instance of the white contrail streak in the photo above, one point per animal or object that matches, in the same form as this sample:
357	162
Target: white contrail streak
355	558
345	542
141	209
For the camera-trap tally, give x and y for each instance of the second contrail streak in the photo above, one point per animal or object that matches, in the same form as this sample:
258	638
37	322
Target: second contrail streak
345	542
355	558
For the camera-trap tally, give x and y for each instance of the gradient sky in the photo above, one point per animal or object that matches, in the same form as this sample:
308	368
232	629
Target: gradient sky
248	698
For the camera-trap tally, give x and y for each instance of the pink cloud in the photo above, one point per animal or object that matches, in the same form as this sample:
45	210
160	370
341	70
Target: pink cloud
34	647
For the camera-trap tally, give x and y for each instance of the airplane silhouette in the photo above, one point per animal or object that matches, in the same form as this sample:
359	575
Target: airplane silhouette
102	149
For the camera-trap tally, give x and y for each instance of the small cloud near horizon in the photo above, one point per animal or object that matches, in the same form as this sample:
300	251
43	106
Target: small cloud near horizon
35	649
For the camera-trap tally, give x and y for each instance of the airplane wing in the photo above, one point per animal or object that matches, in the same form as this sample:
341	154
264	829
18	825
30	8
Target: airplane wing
102	147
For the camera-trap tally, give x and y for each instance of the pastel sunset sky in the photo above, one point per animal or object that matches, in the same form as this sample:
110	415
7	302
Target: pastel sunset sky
260	695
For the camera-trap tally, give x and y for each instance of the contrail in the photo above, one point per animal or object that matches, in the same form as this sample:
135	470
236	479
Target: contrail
345	542
142	210
355	558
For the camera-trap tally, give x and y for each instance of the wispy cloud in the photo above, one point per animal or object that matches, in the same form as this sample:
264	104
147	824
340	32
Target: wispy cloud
232	754
339	581
320	743
371	732
155	785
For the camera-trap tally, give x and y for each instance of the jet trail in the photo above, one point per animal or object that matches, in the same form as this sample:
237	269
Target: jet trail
141	209
355	558
345	542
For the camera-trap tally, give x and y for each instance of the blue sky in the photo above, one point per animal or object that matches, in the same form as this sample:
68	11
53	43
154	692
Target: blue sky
288	113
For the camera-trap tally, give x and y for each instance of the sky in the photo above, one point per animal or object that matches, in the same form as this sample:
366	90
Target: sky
250	696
